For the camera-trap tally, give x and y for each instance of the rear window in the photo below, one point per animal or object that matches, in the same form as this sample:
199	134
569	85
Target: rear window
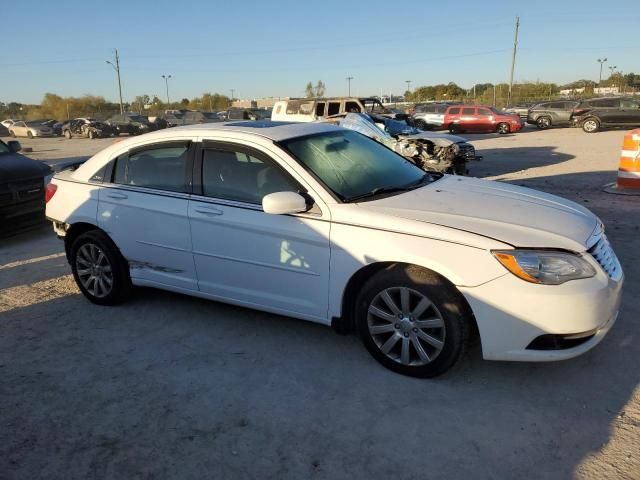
454	111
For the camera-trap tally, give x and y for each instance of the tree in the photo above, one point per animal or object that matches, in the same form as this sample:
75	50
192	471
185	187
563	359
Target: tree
317	91
184	102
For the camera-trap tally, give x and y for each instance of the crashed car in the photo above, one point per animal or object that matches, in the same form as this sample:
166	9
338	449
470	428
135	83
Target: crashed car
437	152
87	128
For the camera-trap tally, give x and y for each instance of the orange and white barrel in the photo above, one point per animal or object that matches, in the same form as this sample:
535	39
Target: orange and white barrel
628	180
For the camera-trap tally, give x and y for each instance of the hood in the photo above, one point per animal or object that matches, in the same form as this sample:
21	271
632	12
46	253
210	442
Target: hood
15	167
440	139
519	216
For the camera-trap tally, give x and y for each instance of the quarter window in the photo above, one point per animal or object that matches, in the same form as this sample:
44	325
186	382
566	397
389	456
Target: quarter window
162	168
242	177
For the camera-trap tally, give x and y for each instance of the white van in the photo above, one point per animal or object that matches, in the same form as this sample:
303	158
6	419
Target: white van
312	109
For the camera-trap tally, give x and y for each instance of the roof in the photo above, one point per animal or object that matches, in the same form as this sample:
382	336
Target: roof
276	131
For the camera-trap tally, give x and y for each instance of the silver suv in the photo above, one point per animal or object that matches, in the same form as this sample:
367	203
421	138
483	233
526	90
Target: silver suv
427	116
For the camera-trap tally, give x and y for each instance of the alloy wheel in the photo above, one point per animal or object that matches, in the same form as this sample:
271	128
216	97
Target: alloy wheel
590	125
406	326
94	270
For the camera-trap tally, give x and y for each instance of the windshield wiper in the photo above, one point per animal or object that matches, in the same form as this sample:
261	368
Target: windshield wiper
382	190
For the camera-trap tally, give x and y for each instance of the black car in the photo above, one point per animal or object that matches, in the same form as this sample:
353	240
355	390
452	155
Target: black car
552	114
248	114
598	113
131	123
87	128
22	189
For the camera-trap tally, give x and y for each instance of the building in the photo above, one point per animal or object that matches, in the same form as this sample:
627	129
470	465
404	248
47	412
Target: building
267	102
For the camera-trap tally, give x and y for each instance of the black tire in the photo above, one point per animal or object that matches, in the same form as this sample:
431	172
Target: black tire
543	122
121	287
448	304
503	128
420	124
454	128
67	134
591	125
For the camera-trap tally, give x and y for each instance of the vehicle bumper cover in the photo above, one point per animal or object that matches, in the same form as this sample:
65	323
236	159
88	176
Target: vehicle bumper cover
511	313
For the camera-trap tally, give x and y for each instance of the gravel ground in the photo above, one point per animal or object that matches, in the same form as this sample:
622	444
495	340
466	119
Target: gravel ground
168	386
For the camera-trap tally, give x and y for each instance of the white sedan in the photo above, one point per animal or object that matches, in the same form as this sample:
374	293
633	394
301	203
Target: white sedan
323	224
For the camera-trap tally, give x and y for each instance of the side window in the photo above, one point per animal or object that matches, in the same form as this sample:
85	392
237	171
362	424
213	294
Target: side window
629	104
484	112
162	168
241	176
468	111
454	111
606	103
334	108
352	107
320	109
440	109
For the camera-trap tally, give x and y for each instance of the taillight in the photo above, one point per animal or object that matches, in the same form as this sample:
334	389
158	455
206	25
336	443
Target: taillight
49	192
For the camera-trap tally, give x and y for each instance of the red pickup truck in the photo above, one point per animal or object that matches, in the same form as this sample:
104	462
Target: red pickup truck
480	118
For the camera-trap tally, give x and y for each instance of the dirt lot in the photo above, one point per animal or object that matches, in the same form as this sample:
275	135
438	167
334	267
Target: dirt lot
169	386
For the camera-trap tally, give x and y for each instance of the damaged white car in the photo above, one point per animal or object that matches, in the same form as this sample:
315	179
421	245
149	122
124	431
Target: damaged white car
439	152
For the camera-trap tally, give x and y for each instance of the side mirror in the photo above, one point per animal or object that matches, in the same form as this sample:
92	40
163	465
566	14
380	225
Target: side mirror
282	203
14	146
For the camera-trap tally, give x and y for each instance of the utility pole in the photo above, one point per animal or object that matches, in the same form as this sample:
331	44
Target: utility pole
349	85
601	61
408	82
116	67
513	58
166	84
494	95
232	95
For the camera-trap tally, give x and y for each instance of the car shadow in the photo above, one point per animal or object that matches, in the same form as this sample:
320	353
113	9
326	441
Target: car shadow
502	161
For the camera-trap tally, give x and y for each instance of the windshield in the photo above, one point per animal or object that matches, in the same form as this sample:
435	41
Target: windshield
352	165
3	147
137	118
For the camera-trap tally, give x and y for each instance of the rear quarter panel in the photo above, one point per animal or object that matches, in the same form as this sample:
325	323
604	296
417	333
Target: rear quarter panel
73	202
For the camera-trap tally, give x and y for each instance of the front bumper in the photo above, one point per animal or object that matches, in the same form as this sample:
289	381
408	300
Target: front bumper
512	313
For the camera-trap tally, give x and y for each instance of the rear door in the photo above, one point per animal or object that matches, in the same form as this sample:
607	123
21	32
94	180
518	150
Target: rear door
469	119
144	209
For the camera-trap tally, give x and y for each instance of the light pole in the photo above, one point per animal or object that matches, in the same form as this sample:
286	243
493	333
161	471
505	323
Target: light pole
601	61
166	84
233	91
408	82
349	85
116	67
613	69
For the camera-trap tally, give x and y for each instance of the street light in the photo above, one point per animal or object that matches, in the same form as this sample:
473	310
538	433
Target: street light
349	85
408	82
116	67
601	61
166	84
613	69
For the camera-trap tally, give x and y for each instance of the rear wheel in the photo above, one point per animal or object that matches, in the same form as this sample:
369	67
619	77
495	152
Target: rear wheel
67	134
92	135
543	123
100	271
503	128
591	125
29	134
12	133
412	321
454	128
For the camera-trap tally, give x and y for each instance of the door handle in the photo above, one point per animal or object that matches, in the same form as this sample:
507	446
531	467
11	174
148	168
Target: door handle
209	211
117	196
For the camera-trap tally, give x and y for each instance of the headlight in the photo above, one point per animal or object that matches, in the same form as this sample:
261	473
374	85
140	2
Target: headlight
544	267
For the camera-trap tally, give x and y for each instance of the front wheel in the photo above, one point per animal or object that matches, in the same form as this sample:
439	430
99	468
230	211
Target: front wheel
503	128
92	135
100	271
12	133
412	321
591	125
67	134
29	135
454	128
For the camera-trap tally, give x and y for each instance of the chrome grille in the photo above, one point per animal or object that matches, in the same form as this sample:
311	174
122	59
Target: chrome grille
606	257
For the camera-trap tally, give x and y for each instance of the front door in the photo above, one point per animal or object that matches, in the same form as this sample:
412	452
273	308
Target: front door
144	209
279	263
630	112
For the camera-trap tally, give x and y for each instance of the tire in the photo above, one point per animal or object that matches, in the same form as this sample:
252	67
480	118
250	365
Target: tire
454	128
96	261
543	123
503	128
91	135
67	134
29	134
420	124
591	125
12	133
400	337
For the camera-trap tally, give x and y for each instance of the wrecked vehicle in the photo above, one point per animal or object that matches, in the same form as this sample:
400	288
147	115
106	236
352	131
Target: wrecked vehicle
312	109
86	128
437	152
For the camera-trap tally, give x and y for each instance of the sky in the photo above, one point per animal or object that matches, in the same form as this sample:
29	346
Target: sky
274	48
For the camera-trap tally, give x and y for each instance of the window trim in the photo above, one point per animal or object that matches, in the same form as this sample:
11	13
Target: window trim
198	189
109	169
